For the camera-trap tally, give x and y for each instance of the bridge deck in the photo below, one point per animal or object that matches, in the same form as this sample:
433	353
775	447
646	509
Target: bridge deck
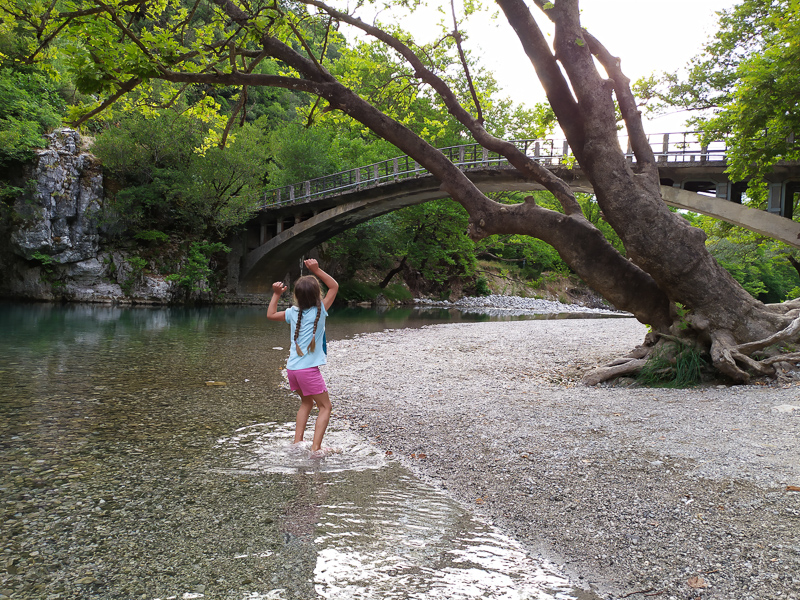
682	150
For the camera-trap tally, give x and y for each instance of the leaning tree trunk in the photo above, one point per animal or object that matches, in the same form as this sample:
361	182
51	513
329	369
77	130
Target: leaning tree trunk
666	262
723	317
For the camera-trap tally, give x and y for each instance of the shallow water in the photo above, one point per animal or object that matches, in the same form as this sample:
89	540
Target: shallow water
124	475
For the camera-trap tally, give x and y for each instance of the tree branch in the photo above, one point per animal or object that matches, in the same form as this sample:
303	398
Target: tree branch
457	38
645	160
128	33
526	166
123	89
547	70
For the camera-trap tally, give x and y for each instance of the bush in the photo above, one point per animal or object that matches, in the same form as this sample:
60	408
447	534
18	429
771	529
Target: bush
397	293
152	235
29	107
482	287
358	291
194	273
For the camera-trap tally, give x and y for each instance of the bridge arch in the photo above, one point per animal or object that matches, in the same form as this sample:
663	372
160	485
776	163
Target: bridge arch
297	218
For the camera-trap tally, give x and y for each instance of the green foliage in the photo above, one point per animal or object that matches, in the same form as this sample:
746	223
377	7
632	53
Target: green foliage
151	235
747	81
482	287
357	291
430	237
761	265
170	182
301	153
138	265
29	107
397	292
683	312
196	270
673	365
47	263
45	260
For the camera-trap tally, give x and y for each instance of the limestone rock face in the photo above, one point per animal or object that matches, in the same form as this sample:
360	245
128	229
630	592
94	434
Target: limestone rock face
52	249
58	220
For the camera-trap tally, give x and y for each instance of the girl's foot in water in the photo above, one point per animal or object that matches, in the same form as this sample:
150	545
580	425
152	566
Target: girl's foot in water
322	452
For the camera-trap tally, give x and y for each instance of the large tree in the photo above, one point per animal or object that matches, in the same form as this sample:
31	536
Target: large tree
667	278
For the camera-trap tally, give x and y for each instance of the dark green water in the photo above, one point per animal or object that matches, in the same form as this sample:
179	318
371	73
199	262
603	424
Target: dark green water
125	476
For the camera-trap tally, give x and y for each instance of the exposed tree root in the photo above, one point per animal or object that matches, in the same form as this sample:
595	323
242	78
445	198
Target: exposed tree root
728	357
601	374
789	334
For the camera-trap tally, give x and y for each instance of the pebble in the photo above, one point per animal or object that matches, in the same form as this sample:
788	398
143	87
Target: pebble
630	490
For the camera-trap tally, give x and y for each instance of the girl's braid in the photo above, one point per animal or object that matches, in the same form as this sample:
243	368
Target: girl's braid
297	331
313	343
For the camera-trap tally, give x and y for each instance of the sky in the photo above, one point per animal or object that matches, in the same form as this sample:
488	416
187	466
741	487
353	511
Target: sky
648	36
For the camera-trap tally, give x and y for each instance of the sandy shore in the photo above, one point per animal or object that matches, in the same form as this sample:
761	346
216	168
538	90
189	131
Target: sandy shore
674	494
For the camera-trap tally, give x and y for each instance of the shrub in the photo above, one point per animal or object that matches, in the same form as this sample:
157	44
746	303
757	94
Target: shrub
482	287
358	291
196	269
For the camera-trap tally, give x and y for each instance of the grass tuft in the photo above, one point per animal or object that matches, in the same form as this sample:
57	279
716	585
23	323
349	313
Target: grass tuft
673	365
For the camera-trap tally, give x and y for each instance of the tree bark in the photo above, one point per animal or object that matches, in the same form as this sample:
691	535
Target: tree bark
398	269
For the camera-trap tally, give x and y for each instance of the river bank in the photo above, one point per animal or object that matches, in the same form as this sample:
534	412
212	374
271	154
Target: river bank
634	492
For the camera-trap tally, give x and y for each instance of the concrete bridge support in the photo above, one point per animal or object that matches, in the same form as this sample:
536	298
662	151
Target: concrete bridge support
759	221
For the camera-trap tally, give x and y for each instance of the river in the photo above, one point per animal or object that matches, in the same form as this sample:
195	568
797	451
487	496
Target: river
130	471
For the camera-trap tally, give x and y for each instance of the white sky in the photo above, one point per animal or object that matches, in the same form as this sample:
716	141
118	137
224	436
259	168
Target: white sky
648	36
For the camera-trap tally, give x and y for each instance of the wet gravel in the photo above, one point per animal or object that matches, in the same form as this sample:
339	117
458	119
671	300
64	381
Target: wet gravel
634	492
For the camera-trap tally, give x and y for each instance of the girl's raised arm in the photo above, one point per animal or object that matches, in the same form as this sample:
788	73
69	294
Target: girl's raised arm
272	310
333	287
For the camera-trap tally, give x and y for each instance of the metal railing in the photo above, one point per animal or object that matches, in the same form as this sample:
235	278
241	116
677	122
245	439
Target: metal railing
678	148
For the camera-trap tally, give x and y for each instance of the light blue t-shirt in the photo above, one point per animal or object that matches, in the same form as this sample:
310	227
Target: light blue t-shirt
309	359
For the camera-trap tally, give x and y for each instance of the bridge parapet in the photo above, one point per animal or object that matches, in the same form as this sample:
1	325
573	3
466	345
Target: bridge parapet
669	148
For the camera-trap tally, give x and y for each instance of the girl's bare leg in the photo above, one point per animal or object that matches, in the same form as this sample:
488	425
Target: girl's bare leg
306	404
324	405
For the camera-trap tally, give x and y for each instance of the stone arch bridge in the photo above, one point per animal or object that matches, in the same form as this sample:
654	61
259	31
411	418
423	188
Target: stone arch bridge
294	219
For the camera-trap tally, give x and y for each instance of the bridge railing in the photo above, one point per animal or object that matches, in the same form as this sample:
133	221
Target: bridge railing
682	147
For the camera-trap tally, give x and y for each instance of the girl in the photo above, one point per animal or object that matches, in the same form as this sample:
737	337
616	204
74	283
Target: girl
306	354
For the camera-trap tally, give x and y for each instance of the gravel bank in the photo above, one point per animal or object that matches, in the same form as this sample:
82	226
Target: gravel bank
673	494
515	305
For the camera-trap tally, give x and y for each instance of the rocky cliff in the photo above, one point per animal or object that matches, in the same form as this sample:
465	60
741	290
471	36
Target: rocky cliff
50	242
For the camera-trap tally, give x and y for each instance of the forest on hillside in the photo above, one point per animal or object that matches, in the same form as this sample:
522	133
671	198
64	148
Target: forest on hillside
184	164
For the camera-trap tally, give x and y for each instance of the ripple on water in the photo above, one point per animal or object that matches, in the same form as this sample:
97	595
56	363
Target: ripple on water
386	536
268	448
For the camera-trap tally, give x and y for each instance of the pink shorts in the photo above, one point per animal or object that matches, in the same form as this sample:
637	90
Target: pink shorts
308	382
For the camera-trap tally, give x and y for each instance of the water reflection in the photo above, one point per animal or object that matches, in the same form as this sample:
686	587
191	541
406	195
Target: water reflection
404	540
125	476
